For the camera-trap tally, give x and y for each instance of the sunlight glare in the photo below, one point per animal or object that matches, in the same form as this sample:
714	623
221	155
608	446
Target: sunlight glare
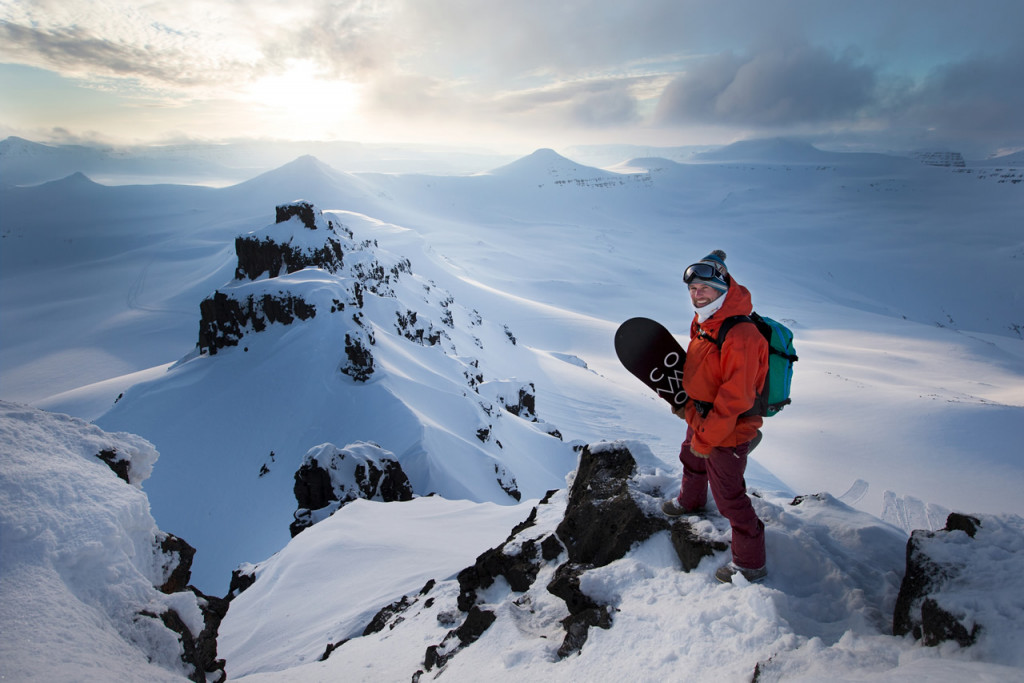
301	103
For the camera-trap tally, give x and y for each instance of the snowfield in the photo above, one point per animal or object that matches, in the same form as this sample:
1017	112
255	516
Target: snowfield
490	322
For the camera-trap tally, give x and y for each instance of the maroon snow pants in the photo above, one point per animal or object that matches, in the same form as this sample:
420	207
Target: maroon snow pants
724	471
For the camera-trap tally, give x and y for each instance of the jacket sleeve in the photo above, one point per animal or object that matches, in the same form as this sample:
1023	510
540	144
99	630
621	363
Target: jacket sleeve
744	359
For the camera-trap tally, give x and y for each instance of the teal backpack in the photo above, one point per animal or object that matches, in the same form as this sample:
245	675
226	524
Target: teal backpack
781	356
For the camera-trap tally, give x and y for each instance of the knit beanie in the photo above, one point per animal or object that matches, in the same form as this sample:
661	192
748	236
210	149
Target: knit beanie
710	270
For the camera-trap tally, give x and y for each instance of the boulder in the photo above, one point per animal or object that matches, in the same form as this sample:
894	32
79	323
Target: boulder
937	561
330	477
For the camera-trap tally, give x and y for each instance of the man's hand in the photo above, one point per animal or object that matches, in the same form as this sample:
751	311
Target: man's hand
680	411
699	455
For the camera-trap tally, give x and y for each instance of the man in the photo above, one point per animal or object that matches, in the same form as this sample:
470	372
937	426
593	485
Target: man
722	385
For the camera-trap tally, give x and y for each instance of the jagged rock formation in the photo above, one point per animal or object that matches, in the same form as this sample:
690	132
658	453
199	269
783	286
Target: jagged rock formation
608	511
120	466
173	558
306	267
329	478
281	250
224	320
930	601
300	238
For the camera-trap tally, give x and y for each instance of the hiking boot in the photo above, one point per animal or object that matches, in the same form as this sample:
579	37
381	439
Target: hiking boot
672	508
727	571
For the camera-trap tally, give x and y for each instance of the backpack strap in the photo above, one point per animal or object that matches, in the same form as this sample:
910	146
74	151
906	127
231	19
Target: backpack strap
727	325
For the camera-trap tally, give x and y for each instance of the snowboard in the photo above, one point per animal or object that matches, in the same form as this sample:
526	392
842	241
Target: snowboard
649	351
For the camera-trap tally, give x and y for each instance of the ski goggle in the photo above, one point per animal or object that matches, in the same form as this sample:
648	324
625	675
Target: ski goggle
703	271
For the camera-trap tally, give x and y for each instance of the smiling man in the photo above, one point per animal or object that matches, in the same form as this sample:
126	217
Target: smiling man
722	382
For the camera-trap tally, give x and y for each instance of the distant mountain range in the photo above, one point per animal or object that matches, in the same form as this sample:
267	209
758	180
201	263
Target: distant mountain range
24	162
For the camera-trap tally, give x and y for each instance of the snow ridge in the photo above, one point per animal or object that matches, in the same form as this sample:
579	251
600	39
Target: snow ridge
365	350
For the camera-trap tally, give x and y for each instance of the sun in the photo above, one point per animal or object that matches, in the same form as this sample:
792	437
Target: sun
302	103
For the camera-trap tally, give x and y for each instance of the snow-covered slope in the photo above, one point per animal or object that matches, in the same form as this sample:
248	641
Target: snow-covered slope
435	391
901	281
377	591
825	614
80	556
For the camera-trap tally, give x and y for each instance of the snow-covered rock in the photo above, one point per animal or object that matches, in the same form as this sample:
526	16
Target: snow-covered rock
81	556
362	349
330	478
962	583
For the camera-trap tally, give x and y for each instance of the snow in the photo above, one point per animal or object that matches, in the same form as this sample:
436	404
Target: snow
902	283
78	560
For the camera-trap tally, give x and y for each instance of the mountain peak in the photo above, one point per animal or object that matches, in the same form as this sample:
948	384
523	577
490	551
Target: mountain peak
546	163
766	150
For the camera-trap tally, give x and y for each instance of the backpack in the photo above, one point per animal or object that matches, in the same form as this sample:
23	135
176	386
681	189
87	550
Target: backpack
781	356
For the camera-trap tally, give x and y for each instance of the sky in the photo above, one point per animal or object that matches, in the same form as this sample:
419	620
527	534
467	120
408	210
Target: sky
873	75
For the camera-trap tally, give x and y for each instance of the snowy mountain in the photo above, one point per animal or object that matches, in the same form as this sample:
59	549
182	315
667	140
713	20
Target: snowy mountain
23	162
355	347
462	340
591	582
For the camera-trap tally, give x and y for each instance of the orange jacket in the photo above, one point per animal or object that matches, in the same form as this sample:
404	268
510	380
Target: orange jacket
729	379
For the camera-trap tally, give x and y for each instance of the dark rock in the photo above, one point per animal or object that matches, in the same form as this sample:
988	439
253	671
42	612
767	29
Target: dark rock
477	621
918	610
525	404
181	554
119	467
313	488
257	255
304	210
938	626
224	320
241	579
520	570
577	628
690	547
965	523
506	480
566	585
602	520
321	483
551	548
199	652
360	360
386	616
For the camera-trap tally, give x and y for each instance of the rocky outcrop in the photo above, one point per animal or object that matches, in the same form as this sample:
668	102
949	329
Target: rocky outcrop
224	320
282	252
932	570
608	511
607	514
329	478
360	359
199	650
958	580
120	466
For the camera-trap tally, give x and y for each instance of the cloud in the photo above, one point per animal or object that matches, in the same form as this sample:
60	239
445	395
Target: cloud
164	61
593	103
779	86
981	95
687	66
